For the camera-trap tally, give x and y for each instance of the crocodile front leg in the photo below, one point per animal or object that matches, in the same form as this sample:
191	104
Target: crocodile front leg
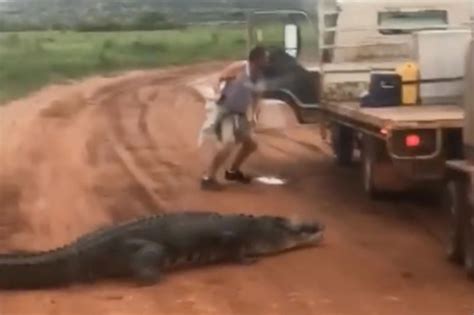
145	261
243	258
237	248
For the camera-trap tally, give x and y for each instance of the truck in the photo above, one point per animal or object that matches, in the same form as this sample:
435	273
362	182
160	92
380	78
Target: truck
459	189
337	45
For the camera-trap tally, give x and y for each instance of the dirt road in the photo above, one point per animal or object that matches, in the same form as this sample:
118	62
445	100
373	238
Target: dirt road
77	157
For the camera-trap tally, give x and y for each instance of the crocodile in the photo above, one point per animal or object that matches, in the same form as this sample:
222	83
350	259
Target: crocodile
143	248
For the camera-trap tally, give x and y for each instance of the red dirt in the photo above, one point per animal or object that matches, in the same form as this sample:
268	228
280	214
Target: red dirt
77	157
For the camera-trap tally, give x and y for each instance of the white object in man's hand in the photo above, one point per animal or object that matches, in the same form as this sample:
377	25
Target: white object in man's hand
254	120
255	117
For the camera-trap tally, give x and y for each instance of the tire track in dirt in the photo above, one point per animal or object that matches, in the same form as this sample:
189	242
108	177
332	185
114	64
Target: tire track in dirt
127	106
135	148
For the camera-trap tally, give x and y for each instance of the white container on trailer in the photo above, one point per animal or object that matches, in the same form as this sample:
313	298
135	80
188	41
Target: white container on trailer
441	55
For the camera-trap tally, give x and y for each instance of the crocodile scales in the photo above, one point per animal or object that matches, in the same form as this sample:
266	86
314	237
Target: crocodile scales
145	247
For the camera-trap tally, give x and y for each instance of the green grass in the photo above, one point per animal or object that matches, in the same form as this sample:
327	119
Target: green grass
30	60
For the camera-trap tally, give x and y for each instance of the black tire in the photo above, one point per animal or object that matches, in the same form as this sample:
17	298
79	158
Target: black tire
469	243
372	153
454	207
342	138
368	176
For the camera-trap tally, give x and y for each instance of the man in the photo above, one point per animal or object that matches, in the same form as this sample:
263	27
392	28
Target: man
228	124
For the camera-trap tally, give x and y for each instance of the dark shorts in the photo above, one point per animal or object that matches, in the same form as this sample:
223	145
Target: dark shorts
224	126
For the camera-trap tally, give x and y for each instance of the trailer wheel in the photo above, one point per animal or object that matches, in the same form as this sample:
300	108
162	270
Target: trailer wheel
469	244
454	207
368	176
372	153
342	138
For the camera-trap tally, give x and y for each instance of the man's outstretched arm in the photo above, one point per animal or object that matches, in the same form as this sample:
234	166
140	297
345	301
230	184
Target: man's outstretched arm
229	73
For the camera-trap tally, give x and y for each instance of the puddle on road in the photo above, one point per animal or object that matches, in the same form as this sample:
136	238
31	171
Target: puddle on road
271	180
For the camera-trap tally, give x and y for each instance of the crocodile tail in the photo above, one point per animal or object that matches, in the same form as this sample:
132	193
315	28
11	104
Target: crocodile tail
38	270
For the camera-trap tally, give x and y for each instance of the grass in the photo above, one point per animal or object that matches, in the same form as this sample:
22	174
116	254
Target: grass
30	60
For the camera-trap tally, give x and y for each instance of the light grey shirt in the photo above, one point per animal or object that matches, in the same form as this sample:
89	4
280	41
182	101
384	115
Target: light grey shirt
239	93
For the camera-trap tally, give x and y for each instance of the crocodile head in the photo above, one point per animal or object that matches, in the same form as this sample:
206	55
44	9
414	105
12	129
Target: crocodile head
276	234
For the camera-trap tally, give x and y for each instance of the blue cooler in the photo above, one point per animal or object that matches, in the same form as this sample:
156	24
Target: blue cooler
385	90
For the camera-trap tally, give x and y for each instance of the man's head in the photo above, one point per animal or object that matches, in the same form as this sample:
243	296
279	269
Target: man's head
257	59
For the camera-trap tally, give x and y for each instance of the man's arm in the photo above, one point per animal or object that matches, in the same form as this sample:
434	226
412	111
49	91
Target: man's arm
229	73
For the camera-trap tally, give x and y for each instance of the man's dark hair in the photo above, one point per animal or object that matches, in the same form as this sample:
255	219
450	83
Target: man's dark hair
257	53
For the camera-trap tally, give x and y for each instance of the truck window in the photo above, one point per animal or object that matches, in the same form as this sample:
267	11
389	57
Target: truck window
329	39
399	22
268	29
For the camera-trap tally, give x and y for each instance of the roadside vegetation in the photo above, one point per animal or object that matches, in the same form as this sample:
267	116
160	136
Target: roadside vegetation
32	59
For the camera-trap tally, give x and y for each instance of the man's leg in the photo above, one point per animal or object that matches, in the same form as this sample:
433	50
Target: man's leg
218	160
224	150
248	146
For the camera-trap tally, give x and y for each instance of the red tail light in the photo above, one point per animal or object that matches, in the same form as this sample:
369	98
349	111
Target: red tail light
412	141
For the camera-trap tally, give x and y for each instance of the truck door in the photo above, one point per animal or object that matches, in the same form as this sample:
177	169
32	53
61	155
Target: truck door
293	74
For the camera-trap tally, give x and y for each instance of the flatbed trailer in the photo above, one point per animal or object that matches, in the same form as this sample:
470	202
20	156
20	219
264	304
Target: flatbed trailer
401	147
400	117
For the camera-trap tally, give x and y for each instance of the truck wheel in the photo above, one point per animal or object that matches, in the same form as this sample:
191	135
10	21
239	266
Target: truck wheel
342	138
368	176
454	207
372	154
469	244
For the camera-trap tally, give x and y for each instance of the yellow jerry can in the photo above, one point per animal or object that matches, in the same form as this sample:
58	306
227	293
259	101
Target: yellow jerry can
409	71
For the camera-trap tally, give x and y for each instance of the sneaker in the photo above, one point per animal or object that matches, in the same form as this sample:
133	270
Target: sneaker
237	176
208	183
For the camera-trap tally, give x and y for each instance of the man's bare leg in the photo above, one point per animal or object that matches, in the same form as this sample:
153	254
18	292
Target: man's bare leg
248	147
219	160
209	178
